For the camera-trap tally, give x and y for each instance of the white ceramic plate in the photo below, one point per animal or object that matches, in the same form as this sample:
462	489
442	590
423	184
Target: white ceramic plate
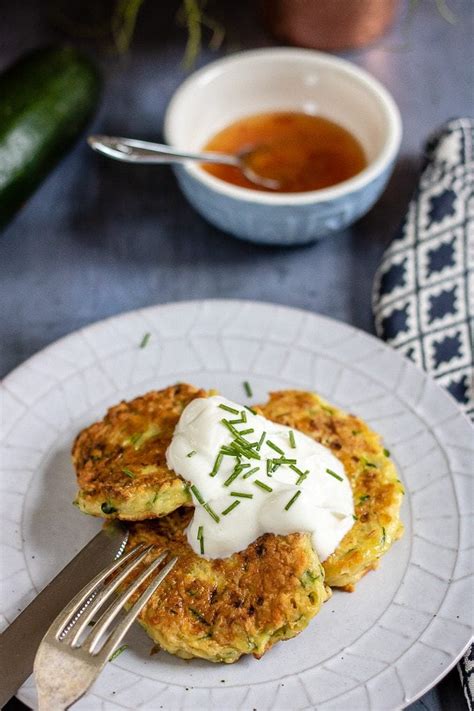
378	648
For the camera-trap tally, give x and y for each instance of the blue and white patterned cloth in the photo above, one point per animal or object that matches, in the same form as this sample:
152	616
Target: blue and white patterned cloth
423	298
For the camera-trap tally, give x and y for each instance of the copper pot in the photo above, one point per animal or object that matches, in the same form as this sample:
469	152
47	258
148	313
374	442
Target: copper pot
328	24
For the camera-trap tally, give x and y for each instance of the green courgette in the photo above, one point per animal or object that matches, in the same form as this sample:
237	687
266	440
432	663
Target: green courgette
46	100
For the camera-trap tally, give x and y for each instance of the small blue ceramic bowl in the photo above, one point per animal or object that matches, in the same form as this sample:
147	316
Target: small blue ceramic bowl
283	79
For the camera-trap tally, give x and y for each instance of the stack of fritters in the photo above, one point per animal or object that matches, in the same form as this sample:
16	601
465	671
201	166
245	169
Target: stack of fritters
221	609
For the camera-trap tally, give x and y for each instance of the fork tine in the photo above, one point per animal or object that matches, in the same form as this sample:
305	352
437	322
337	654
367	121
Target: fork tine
91	642
102	596
77	602
121	630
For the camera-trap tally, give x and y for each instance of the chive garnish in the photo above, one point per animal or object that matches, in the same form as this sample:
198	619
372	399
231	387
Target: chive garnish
108	508
136	437
250	472
117	652
230	508
241	495
291	437
302	477
250	410
145	340
296	470
263	486
217	464
364	497
284	460
366	463
336	476
128	473
386	452
275	447
244	432
200	537
233	476
269	467
355	517
191	453
383	536
229	409
292	500
261	440
211	512
243	415
247	388
197	493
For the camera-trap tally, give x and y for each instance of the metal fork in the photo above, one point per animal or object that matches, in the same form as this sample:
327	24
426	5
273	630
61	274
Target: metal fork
68	661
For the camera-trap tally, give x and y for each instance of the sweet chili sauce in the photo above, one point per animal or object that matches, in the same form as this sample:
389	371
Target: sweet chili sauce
301	151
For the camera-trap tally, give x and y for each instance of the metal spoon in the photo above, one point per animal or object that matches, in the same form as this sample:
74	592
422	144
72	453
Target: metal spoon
130	150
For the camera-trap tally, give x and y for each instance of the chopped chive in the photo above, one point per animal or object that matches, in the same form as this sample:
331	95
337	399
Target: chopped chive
197	493
250	472
191	453
291	437
355	432
284	460
217	464
243	415
108	508
230	508
241	495
232	477
302	477
136	437
211	512
364	497
145	339
229	409
247	388
200	532
275	447
128	473
269	467
367	463
117	652
244	466
292	500
383	536
200	537
261	440
237	422
250	410
244	432
386	452
336	476
263	486
355	517
296	470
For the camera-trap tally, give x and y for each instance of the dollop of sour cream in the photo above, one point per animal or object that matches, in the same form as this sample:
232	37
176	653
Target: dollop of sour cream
249	476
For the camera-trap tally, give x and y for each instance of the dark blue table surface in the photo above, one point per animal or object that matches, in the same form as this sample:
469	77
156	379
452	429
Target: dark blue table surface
99	238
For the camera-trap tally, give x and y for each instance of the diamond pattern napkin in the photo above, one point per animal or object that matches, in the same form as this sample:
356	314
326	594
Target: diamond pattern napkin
423	297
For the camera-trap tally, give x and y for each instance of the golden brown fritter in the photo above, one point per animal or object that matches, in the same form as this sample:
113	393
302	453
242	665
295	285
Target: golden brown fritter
121	461
220	609
375	485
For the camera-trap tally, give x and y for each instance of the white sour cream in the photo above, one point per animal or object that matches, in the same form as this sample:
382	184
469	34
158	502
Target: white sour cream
324	507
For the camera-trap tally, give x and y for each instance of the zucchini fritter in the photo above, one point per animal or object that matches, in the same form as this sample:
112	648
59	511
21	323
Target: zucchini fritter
121	461
221	609
375	485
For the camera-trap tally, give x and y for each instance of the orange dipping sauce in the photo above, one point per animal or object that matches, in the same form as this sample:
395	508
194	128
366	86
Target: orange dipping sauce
300	151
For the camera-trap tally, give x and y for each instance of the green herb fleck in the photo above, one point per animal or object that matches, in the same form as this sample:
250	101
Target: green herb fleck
355	517
247	388
241	495
200	537
191	453
269	467
230	508
250	472
197	493
336	476
296	470
217	464
136	437
108	508
275	447
364	497
118	652
328	409
198	616
128	473
356	432
291	437
366	463
211	512
302	477
229	409
263	486
386	452
261	440
244	432
292	500
383	536
250	410
145	339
